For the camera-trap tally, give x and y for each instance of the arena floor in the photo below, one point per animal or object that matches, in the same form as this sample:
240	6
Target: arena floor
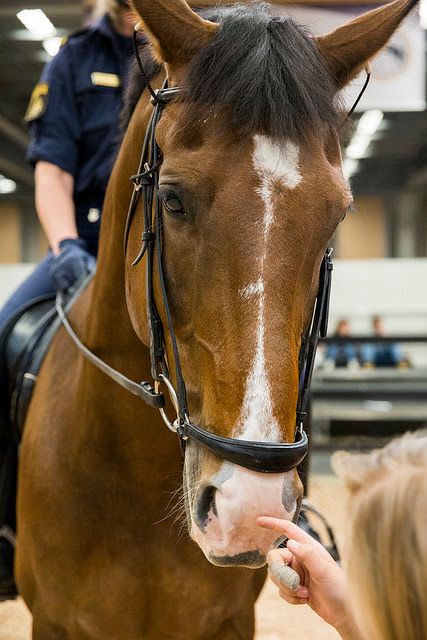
275	619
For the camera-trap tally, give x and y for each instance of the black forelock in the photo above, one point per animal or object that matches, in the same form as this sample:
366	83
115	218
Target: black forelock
265	74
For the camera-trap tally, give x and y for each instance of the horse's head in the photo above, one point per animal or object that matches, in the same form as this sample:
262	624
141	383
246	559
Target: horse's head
252	190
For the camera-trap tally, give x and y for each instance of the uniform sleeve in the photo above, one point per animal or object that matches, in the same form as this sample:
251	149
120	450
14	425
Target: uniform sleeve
53	116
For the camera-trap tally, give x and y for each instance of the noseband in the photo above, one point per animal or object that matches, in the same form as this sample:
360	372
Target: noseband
267	457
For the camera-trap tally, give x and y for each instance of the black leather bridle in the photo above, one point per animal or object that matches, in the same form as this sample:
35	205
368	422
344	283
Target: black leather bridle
258	456
267	457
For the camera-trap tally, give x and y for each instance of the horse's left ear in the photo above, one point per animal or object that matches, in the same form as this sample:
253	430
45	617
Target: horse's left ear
175	31
349	48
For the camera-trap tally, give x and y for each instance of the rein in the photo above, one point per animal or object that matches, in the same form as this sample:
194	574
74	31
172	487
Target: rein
266	457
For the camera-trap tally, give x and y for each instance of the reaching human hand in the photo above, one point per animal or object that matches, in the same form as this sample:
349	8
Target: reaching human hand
322	582
72	263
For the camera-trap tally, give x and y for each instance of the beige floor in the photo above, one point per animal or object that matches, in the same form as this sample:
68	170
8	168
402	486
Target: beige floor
275	619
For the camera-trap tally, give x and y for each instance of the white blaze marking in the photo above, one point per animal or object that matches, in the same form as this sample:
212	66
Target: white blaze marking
252	289
274	161
277	161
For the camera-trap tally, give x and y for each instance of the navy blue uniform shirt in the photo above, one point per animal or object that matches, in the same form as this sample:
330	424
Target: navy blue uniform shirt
74	116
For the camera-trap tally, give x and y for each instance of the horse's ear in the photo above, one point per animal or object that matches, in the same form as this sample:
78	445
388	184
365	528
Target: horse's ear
349	48
175	31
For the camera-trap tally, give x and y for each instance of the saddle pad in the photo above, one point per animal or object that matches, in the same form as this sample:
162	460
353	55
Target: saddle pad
24	343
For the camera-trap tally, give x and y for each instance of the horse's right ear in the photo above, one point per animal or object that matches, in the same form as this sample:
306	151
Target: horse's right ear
349	48
175	31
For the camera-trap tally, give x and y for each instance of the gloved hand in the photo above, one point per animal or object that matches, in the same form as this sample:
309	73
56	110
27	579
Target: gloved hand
72	263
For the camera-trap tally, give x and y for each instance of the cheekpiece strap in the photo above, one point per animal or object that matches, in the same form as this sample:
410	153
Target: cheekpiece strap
319	327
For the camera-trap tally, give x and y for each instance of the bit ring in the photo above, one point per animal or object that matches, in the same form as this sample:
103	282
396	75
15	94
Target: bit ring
173	426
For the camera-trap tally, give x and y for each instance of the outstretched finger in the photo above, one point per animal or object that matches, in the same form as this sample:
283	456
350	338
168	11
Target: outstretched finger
291	530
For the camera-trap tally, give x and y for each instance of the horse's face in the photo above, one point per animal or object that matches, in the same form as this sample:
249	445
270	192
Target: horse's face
247	217
246	224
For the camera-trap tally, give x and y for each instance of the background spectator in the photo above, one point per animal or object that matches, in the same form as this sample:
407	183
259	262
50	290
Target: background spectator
341	354
381	354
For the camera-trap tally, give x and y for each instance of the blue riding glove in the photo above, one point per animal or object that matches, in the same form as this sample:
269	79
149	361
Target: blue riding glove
72	263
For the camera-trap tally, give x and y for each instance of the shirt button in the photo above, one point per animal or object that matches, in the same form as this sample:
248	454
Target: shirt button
93	215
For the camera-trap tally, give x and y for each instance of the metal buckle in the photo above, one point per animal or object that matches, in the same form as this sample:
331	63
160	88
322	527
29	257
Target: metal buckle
176	426
138	178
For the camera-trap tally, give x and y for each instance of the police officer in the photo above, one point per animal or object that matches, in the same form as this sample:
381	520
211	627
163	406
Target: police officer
73	118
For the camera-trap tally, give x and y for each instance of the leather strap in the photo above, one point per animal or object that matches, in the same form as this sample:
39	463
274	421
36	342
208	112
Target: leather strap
318	330
266	457
143	390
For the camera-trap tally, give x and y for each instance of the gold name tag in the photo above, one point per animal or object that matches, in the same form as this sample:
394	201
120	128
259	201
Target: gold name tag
101	79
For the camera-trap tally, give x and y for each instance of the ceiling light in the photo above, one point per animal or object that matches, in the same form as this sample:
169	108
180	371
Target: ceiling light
37	22
369	122
52	45
6	185
423	14
349	167
357	147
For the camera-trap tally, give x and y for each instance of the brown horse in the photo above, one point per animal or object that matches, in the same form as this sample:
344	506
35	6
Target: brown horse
252	190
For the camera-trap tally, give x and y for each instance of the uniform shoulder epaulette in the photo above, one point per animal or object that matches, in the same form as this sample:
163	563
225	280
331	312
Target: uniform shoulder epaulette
40	95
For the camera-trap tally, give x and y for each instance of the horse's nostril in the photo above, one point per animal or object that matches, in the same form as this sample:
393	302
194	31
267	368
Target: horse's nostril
205	502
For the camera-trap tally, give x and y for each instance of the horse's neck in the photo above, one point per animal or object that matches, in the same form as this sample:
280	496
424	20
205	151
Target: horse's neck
102	318
108	325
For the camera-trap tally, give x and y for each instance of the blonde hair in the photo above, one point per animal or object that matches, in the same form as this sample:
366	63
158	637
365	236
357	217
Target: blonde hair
105	6
386	552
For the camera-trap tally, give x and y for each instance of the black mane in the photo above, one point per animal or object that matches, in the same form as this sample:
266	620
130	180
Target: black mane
265	73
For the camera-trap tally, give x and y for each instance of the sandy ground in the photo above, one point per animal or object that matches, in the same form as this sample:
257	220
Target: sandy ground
276	620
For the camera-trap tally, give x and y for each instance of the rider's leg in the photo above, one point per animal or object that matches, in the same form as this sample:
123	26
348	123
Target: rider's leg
37	284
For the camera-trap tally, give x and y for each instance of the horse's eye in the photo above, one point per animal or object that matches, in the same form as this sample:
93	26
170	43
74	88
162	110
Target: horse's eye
173	204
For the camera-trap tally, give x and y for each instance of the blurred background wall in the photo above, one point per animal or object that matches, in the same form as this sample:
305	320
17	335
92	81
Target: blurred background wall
389	177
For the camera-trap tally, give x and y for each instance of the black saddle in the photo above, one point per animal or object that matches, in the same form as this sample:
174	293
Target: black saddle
24	342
